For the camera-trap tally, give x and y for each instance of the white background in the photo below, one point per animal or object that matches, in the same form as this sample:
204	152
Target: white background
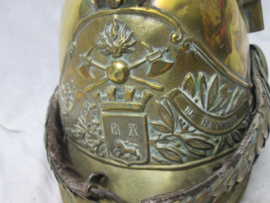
28	75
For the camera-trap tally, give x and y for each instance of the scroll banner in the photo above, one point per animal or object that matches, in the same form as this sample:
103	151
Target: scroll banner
203	121
70	118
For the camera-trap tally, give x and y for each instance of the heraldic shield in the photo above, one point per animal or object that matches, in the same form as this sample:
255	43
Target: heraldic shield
126	137
167	98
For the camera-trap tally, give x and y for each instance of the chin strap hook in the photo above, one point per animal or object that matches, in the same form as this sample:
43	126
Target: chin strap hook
95	191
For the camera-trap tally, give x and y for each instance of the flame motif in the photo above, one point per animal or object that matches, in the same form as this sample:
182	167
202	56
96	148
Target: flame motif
116	40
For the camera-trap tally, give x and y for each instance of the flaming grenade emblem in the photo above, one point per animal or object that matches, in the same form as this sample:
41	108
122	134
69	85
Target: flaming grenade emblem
115	43
115	40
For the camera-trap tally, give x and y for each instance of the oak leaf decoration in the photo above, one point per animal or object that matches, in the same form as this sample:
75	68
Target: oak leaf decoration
161	127
170	154
196	152
236	136
203	88
222	96
213	92
229	140
220	145
189	85
199	143
165	115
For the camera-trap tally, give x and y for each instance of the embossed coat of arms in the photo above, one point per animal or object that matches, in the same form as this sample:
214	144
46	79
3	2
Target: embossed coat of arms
158	93
128	112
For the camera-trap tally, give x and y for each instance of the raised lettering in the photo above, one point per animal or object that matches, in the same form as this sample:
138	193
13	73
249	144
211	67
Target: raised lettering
190	112
211	126
219	126
205	123
115	129
132	128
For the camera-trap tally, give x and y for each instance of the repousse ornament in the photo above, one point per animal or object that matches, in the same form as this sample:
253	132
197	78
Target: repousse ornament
158	101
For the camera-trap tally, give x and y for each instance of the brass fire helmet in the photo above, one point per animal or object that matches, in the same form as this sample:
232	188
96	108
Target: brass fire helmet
158	101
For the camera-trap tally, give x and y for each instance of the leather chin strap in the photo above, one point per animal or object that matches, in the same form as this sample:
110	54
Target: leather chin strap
61	165
221	182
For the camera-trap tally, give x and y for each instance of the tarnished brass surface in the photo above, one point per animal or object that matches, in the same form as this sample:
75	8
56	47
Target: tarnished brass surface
217	25
233	197
164	103
157	94
136	185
